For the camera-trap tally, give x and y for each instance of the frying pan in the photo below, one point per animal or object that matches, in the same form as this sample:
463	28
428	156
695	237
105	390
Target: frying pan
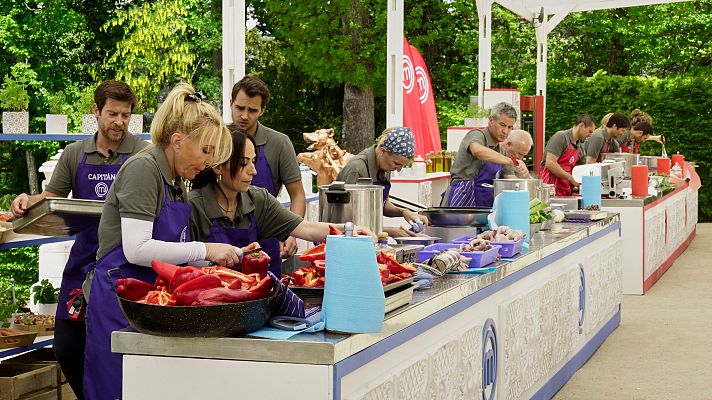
198	321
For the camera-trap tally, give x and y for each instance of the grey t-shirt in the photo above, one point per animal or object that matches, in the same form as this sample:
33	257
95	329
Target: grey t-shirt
466	167
558	144
363	165
280	154
138	192
64	176
600	143
272	219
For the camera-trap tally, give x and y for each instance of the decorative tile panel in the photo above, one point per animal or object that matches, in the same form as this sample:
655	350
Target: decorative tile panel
676	227
539	329
604	288
654	239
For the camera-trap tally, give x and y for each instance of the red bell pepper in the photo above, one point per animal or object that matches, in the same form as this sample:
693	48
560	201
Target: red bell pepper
315	253
221	295
187	293
264	286
320	266
160	298
165	270
334	230
256	263
160	283
132	289
394	266
183	275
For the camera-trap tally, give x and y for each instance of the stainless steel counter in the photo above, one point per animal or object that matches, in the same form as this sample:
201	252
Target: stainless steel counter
635	201
328	348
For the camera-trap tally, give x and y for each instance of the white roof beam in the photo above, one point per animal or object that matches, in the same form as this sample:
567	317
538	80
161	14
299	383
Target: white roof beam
519	7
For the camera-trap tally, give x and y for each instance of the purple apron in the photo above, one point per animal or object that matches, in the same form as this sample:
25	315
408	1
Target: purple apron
264	180
472	193
92	183
289	304
103	369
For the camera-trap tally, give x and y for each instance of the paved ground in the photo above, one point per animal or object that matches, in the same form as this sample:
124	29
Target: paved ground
663	348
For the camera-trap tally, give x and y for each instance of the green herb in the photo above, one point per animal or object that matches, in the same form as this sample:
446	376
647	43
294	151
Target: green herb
45	293
85	102
57	103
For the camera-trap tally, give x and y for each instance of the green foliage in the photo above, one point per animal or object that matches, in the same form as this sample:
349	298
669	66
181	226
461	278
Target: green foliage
85	101
6	201
153	50
22	265
45	293
57	103
13	95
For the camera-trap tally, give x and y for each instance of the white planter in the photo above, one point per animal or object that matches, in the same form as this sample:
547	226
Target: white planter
15	122
136	124
89	124
56	123
47	309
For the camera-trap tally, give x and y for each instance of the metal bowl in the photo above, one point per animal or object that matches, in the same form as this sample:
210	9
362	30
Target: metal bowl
533	186
651	162
457	216
199	321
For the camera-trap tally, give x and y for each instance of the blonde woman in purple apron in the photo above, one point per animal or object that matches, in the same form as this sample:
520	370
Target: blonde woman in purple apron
393	150
480	159
87	170
146	217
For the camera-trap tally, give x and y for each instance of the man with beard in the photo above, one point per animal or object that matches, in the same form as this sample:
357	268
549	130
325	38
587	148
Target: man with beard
86	169
276	159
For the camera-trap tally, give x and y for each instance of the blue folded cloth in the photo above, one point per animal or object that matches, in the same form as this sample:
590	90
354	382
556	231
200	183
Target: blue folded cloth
422	279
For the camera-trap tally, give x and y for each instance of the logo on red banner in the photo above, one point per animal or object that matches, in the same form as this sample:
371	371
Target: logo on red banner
408	74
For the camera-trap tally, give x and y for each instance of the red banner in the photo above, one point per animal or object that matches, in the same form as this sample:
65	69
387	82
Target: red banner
419	113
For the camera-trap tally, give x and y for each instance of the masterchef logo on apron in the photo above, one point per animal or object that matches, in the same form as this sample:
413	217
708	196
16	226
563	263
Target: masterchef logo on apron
101	188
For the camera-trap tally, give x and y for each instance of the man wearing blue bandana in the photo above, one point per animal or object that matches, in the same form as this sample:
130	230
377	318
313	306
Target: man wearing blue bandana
393	150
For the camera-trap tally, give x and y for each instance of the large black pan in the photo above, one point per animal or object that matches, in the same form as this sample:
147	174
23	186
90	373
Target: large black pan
199	321
457	216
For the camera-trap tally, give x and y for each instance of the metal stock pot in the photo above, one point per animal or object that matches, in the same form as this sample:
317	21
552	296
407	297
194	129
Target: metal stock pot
361	204
533	186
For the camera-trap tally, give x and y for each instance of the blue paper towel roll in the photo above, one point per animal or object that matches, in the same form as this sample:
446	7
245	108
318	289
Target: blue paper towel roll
354	301
513	210
591	190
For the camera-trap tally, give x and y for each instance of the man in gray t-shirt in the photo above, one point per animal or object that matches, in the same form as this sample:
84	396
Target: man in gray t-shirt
480	158
563	152
276	159
603	139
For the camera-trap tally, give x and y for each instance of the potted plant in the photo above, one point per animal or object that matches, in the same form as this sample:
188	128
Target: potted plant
476	115
85	104
15	100
136	122
45	296
56	120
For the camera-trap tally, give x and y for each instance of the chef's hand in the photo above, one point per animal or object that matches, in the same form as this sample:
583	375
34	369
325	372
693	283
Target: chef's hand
223	254
521	168
19	205
362	230
288	247
412	217
574	182
397	231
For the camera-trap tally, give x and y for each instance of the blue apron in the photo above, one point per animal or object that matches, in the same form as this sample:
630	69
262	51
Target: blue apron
92	183
103	369
471	193
264	180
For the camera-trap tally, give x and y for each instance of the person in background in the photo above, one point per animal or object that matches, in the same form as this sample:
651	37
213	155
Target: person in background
603	140
146	218
86	169
562	153
517	145
641	131
227	209
394	149
276	158
480	159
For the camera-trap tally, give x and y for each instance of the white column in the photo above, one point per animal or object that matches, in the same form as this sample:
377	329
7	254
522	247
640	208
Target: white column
541	58
394	64
233	50
484	12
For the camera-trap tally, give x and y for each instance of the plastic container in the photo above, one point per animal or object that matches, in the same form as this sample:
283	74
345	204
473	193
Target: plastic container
506	249
479	258
382	245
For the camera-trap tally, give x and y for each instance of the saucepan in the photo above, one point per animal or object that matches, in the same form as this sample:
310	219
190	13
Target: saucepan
222	320
457	216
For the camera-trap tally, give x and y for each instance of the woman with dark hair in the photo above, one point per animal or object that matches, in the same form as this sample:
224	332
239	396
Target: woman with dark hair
228	209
